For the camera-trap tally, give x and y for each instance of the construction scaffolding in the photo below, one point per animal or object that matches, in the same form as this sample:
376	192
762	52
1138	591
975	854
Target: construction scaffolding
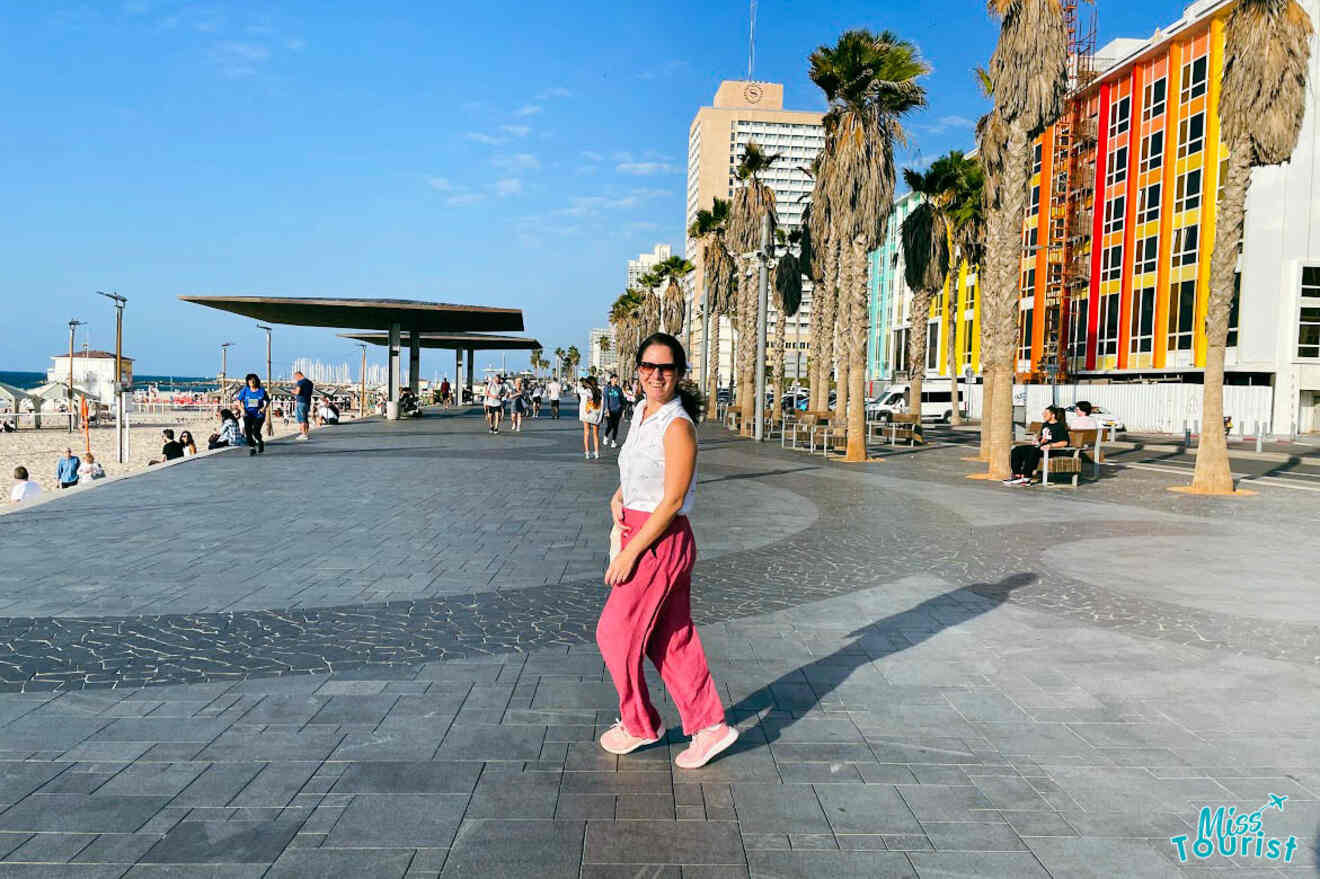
1071	193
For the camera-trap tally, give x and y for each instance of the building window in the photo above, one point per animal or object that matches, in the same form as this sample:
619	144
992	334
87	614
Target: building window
1152	151
1149	208
1154	98
1143	320
1024	333
1117	171
1028	282
1035	159
1115	208
1111	263
1184	245
1077	329
1032	239
898	353
1187	191
1182	313
1308	316
1147	255
1120	114
1193	78
1191	135
1035	200
967	343
933	345
1107	342
1234	310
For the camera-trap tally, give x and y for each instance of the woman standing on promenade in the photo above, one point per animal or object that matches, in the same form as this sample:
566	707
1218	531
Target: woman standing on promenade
648	613
590	412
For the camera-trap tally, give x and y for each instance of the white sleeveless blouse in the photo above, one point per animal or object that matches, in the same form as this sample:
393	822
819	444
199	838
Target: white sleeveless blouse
642	459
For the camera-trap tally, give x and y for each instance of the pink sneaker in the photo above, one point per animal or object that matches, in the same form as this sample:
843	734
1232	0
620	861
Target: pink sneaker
706	745
618	740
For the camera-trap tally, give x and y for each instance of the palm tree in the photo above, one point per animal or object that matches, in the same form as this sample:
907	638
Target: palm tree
753	203
824	294
1028	74
626	316
870	82
673	304
717	270
1267	52
559	361
604	346
966	213
574	358
788	299
648	282
535	359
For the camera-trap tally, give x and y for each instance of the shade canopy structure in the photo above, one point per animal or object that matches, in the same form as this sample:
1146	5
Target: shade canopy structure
454	341
368	314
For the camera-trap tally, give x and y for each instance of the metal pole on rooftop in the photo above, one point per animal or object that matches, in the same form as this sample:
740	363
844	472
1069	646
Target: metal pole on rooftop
72	325
763	299
392	404
270	422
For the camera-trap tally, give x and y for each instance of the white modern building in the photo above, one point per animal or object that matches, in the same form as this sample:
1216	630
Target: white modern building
603	357
93	373
645	262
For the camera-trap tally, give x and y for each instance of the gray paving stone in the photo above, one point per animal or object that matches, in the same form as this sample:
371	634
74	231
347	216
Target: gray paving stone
305	863
399	820
439	777
981	865
515	849
947	803
663	842
491	742
778	808
868	808
242	842
972	836
1084	858
844	865
18	779
78	813
50	848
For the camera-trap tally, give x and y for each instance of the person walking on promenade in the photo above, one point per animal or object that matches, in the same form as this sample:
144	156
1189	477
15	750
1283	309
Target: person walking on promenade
590	412
66	469
537	391
649	613
444	393
254	400
519	404
613	411
494	403
302	405
553	390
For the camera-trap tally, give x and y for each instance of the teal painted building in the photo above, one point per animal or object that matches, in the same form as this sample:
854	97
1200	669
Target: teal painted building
885	286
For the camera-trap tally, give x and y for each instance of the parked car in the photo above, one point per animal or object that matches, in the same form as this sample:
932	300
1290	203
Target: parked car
936	402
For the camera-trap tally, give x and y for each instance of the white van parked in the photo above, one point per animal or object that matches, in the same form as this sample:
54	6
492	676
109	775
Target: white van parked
936	402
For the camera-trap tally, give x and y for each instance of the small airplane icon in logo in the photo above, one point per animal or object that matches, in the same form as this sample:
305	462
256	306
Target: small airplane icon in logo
1276	802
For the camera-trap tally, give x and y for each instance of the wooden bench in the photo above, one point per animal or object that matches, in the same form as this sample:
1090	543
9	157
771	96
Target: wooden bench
900	427
1069	459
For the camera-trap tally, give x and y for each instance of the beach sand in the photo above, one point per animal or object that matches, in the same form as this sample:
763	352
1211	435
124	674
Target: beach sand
39	450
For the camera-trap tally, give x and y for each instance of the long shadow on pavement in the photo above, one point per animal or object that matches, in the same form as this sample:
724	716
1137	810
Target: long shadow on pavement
874	641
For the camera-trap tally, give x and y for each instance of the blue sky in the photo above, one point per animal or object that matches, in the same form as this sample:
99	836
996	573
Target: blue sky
499	153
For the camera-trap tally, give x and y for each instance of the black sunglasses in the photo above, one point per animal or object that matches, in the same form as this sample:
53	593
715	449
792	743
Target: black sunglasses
646	368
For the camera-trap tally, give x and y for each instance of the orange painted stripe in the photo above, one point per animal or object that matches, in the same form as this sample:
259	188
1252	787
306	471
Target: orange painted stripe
1171	107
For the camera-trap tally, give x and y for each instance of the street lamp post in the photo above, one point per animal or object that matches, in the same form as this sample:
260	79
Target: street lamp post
224	368
270	422
362	400
121	436
73	325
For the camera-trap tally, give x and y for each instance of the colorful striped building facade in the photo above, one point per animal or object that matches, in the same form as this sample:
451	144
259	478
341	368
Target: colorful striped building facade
1120	227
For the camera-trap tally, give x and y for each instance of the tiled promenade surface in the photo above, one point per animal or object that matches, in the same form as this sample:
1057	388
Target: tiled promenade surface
371	655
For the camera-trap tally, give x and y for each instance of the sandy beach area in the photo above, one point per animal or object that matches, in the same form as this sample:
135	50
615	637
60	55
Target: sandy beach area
39	450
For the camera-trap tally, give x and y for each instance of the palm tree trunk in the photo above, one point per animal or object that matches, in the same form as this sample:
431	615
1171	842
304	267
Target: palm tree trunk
1001	298
857	328
777	386
824	323
1213	475
953	317
747	372
919	334
713	368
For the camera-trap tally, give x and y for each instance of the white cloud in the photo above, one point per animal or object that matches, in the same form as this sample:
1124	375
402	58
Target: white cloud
237	59
622	156
295	44
527	110
587	205
488	139
592	156
948	123
440	184
645	169
516	130
517	162
465	198
508	186
555	92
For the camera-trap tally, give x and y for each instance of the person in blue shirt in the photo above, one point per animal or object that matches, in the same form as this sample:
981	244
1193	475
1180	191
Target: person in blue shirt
613	411
66	471
302	407
254	400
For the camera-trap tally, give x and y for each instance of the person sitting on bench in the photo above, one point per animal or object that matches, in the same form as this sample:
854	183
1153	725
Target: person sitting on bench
1026	458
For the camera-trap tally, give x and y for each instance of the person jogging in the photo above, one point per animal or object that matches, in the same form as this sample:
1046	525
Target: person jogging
302	406
254	400
613	411
494	403
553	390
648	612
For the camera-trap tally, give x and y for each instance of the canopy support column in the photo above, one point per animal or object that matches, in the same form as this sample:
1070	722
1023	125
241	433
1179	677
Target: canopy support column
414	360
392	404
472	357
457	389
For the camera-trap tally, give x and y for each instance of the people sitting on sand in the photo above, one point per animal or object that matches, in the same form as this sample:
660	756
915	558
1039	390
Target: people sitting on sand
24	488
189	445
171	448
93	469
66	470
228	435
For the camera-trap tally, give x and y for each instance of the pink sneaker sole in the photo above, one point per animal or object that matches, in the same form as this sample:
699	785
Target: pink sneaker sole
685	762
628	749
